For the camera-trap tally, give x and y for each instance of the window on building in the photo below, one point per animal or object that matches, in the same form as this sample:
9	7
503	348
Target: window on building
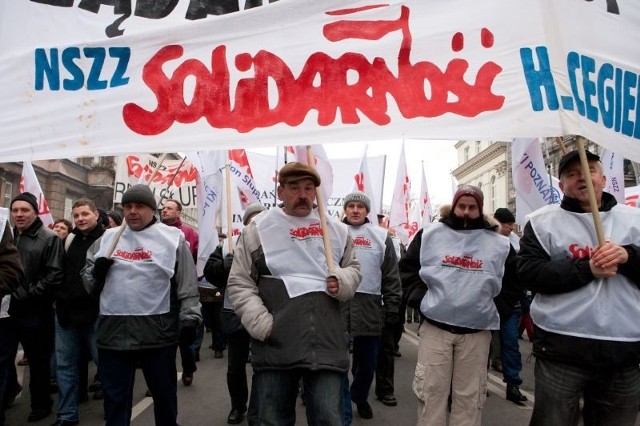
494	194
466	153
7	193
68	202
478	143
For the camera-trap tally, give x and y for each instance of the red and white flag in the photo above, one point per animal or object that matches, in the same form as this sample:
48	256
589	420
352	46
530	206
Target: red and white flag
29	183
426	213
363	183
322	165
613	169
243	177
400	201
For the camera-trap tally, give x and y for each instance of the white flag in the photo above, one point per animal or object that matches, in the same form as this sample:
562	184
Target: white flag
243	177
322	165
209	189
400	201
531	178
425	202
363	182
632	196
613	169
29	183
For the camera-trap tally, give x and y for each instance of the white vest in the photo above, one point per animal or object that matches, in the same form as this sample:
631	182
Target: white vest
369	244
138	282
294	251
463	270
604	309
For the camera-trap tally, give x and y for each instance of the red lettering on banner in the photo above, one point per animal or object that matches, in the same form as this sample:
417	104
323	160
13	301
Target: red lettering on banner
313	230
361	242
298	96
464	262
184	175
138	254
578	252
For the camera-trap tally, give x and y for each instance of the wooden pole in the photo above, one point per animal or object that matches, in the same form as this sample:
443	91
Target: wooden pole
592	195
227	172
123	226
563	148
326	239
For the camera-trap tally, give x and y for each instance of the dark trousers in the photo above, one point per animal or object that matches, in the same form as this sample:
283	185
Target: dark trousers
117	372
238	353
385	367
36	332
211	317
8	349
363	368
188	357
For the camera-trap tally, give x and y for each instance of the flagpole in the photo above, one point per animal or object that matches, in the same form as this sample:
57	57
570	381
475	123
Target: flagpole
164	193
323	215
123	226
592	195
227	173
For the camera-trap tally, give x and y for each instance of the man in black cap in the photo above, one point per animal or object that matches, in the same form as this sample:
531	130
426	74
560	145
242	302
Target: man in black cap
509	307
461	261
31	308
586	307
147	290
289	302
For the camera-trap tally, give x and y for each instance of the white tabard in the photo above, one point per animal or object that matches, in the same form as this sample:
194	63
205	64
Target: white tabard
294	251
369	244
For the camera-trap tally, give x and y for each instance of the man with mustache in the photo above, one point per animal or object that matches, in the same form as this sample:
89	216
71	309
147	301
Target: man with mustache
289	302
452	271
586	307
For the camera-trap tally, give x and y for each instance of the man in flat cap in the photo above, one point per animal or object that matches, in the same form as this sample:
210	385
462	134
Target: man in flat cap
289	302
31	308
377	300
147	290
460	261
586	308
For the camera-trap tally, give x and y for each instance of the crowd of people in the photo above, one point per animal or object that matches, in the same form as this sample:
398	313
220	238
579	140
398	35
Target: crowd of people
308	299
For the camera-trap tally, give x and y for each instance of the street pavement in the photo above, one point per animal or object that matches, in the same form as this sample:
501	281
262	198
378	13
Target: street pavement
206	402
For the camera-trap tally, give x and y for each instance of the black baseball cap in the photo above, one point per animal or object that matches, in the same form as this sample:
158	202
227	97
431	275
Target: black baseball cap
574	156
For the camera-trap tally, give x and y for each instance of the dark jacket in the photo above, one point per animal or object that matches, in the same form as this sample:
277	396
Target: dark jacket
541	275
42	257
74	306
11	274
512	289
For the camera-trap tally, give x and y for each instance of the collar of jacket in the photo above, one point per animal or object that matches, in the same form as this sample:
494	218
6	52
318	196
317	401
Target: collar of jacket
95	232
460	224
572	204
32	230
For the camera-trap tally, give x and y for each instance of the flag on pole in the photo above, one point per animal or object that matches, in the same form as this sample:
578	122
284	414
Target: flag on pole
531	178
426	211
209	190
613	169
243	177
29	183
400	201
322	165
362	182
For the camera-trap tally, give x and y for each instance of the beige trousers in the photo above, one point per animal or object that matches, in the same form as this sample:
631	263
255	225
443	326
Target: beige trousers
455	363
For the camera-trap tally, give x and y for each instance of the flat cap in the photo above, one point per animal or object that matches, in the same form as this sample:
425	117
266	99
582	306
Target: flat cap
294	171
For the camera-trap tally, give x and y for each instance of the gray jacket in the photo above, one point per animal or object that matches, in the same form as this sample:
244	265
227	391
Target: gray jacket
134	332
306	331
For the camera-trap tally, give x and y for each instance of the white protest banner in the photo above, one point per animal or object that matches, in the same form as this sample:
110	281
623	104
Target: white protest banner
363	182
174	180
400	203
243	177
426	211
105	78
29	183
530	178
613	169
632	196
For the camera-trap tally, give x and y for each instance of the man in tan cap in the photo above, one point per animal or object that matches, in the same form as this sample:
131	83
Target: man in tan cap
289	302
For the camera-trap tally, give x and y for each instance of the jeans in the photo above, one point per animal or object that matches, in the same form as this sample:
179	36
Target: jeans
346	400
8	349
510	349
188	356
117	372
276	392
365	357
71	344
611	396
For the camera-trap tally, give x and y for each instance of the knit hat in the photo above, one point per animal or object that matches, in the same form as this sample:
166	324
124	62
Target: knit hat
29	198
140	194
574	156
251	210
357	196
115	216
294	171
470	190
503	215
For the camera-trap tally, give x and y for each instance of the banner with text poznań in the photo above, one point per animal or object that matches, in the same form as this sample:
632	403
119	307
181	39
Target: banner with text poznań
87	78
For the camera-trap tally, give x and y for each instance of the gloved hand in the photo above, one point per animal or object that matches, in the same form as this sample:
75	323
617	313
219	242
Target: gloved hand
100	268
228	260
391	318
187	336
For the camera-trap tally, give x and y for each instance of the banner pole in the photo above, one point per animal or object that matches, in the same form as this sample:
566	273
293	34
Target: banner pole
592	195
326	240
563	148
123	226
227	173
